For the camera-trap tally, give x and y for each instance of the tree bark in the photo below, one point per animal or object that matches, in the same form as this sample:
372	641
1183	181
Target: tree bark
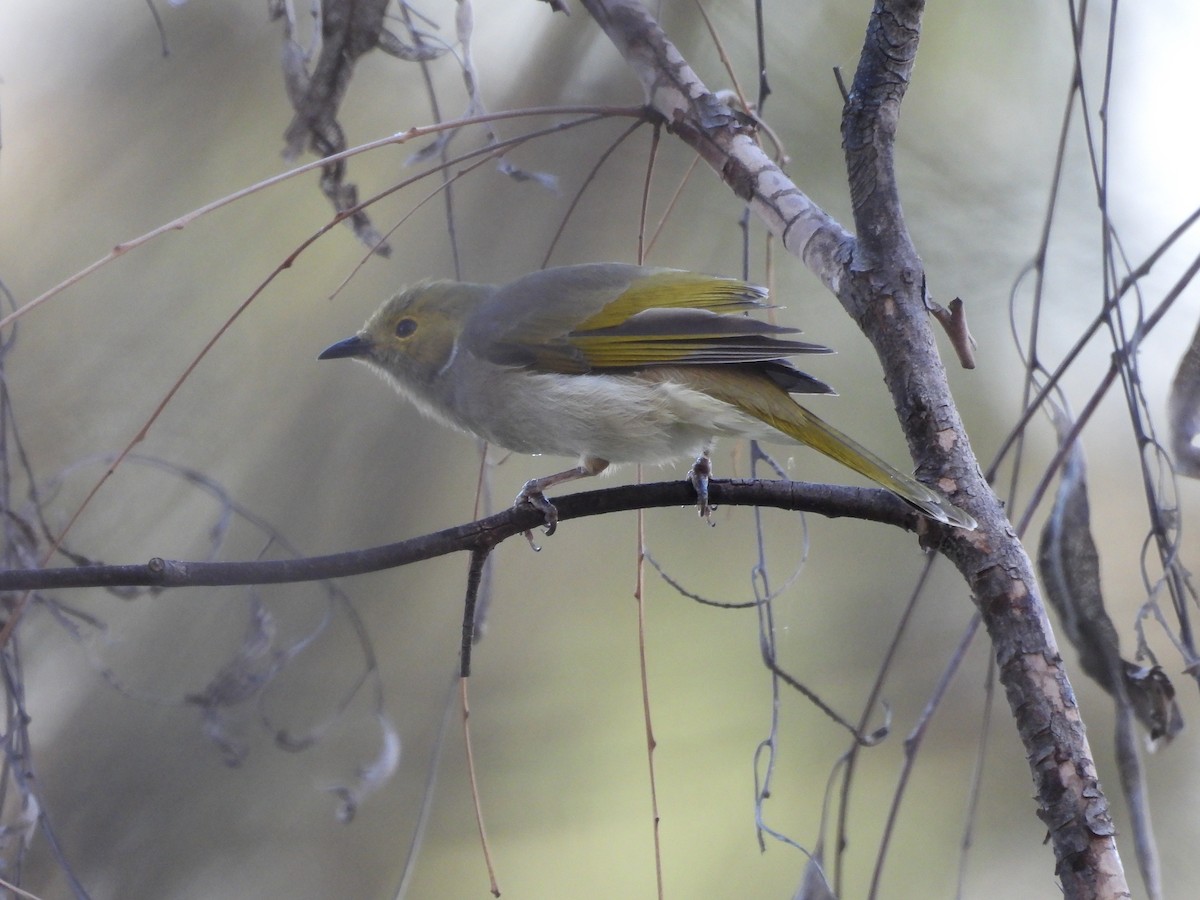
879	279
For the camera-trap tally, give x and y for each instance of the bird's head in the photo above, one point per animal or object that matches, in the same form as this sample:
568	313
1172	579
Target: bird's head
412	336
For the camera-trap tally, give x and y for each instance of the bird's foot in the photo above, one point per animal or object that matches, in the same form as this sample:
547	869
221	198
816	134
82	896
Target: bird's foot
531	495
698	476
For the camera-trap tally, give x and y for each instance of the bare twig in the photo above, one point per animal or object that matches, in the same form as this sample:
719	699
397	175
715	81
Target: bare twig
402	137
954	321
483	838
872	504
639	596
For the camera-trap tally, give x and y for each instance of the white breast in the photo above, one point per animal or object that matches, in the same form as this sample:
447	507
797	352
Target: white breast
619	418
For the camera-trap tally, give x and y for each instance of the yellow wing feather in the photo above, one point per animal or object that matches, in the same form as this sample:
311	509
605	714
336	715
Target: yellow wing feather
676	290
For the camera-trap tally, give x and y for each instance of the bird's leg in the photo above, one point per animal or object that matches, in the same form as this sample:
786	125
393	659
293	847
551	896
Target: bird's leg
534	491
698	476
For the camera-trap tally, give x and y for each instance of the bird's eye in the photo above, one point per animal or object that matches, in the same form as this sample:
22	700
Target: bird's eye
405	327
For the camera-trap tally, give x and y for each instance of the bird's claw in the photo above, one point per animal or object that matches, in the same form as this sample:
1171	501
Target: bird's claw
531	495
698	475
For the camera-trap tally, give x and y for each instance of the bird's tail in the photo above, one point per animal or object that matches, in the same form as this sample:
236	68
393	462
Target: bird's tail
809	429
774	406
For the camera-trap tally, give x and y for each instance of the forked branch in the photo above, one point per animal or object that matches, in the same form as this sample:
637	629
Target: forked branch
879	279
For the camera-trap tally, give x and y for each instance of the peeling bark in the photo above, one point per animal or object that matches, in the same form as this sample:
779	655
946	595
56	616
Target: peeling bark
879	279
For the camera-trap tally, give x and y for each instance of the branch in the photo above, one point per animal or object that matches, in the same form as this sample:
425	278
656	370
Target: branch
724	138
834	501
880	281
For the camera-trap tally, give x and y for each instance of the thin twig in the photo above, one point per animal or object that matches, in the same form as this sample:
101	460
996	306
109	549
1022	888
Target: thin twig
402	137
483	838
587	182
873	698
913	742
639	596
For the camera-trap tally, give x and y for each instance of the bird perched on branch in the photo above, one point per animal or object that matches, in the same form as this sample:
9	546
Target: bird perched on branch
610	363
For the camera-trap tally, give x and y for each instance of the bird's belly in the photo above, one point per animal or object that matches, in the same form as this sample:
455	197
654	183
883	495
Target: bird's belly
618	418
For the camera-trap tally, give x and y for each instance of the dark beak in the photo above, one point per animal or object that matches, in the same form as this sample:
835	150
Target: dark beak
350	347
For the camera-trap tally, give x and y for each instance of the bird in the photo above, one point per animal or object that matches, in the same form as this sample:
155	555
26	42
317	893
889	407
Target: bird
611	363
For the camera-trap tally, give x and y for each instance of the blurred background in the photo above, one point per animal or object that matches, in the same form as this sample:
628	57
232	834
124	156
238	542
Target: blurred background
104	139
